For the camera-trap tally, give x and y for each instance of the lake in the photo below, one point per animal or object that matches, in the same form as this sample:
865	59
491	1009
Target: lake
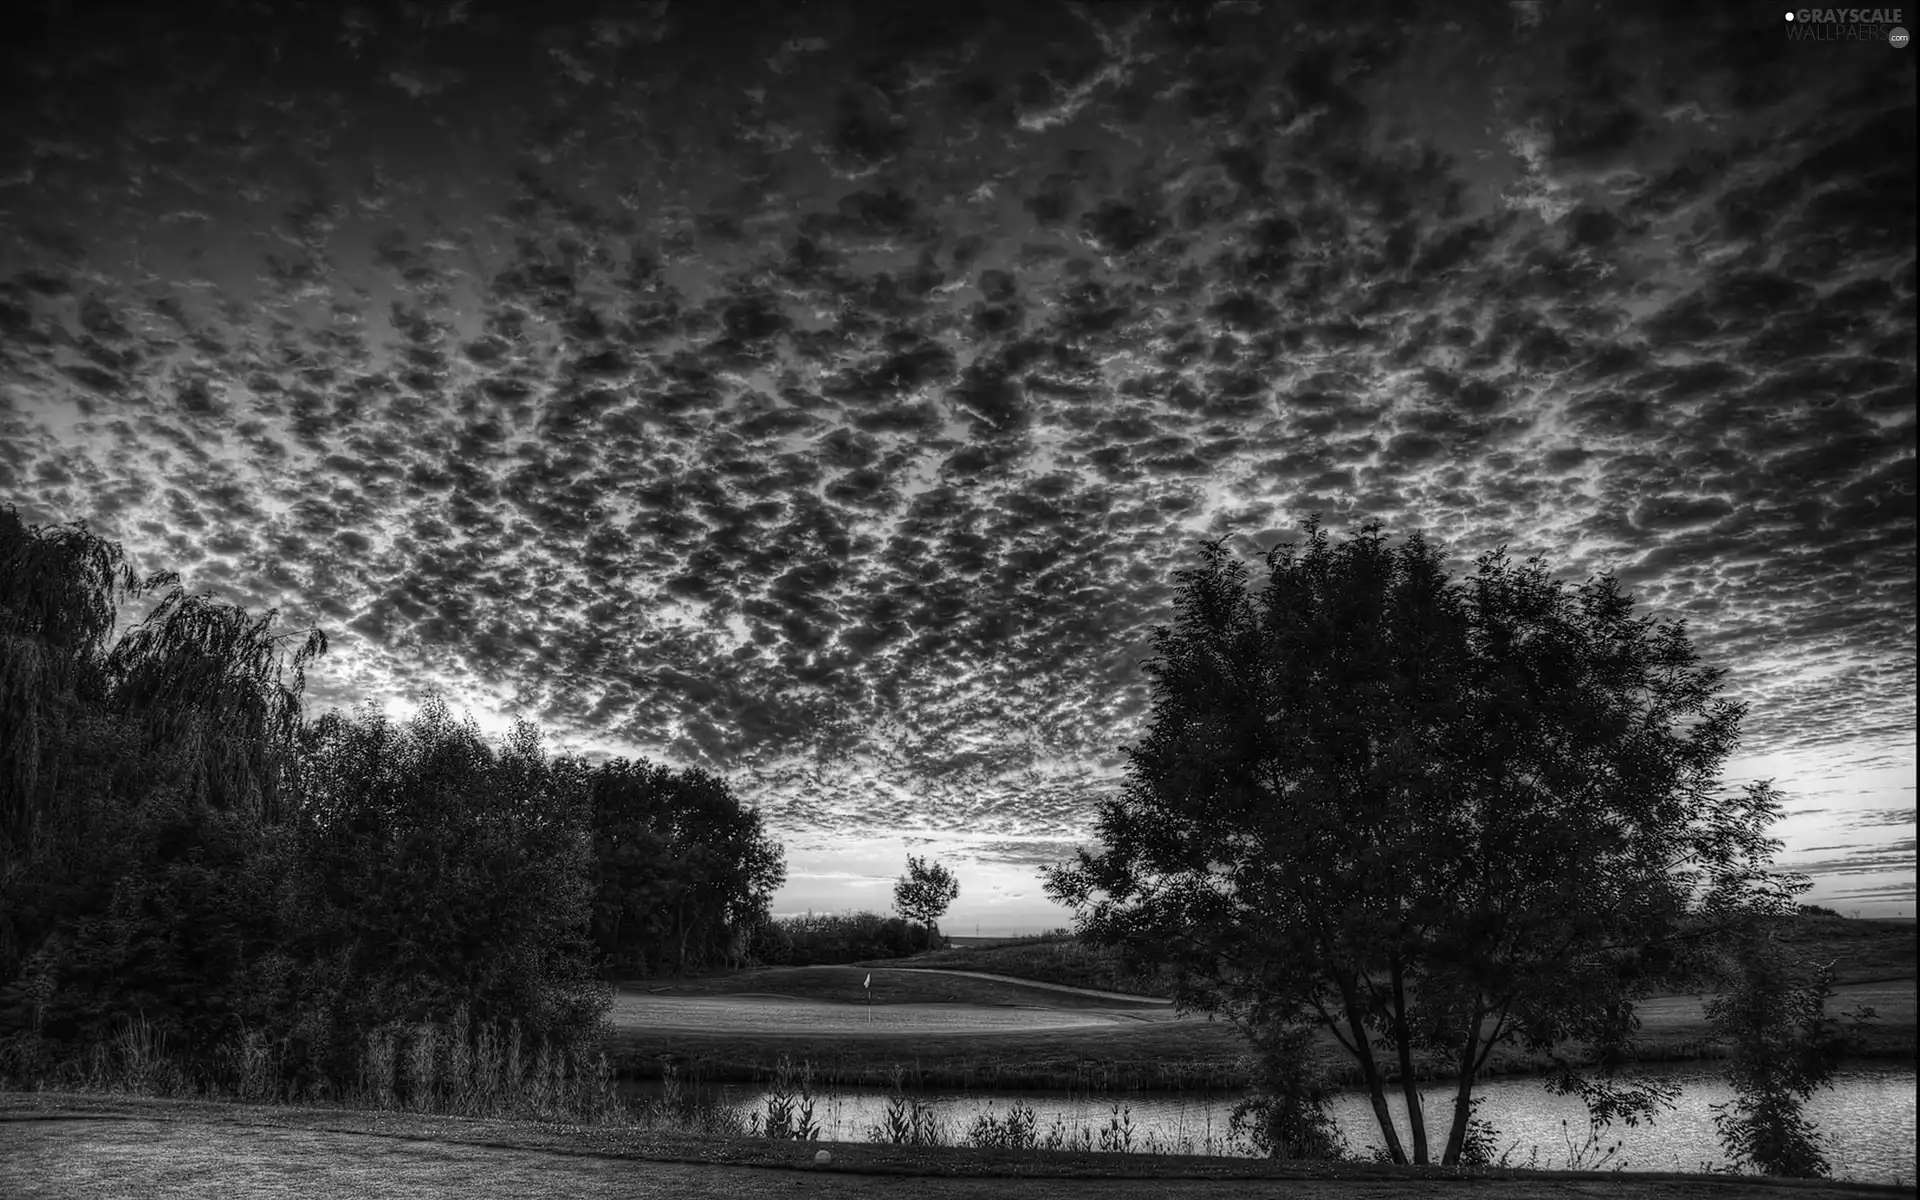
1869	1114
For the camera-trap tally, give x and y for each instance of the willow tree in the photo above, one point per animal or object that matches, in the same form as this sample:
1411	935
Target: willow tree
197	697
60	594
1422	817
216	688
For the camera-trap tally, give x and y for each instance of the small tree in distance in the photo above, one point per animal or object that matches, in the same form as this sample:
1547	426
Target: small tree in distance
924	893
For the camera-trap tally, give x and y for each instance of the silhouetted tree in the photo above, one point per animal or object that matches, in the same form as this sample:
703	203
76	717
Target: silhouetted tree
437	872
1424	816
137	781
1784	1046
60	592
683	869
924	893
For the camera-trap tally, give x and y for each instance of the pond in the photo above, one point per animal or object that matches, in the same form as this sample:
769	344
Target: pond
1868	1115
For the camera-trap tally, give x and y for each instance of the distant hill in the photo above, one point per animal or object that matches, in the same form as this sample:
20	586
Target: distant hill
1862	951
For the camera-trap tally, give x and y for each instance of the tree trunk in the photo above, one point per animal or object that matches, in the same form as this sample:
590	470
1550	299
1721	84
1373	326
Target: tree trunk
1376	1089
1463	1095
1409	1087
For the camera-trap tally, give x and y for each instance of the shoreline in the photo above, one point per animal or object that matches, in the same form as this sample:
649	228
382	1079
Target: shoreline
57	1127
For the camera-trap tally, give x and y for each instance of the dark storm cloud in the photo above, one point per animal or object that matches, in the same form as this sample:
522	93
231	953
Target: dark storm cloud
827	393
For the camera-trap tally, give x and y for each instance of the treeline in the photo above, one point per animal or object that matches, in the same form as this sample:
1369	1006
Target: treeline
825	938
182	853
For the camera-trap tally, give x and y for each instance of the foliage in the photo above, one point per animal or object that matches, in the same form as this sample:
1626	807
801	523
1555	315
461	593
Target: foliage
141	781
196	700
1285	1113
683	870
436	872
924	893
1427	816
790	1104
1784	1047
1014	1131
909	1120
815	939
273	900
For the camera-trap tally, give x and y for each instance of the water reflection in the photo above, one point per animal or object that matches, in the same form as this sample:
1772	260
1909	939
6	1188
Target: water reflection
1868	1114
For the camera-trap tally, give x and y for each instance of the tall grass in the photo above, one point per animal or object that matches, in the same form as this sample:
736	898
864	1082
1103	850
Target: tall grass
909	1120
451	1068
789	1111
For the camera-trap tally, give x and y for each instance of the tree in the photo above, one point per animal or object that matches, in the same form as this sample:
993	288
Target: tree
924	893
684	869
437	872
1424	816
139	781
1784	1047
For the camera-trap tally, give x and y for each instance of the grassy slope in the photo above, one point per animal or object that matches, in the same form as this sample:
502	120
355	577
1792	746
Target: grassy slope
61	1146
1191	1054
846	985
1052	960
1864	951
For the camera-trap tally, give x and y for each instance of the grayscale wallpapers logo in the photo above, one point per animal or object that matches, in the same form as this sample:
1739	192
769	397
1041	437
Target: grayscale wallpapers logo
1847	25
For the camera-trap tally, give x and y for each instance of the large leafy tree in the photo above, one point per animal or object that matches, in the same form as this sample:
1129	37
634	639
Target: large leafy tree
437	871
1423	816
683	869
138	777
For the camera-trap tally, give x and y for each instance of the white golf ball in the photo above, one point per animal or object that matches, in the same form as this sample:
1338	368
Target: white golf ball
823	1157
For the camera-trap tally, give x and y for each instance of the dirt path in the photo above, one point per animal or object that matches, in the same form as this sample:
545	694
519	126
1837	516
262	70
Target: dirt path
49	1157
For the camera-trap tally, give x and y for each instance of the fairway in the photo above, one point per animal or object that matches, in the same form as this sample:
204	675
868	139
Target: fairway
766	1014
966	1030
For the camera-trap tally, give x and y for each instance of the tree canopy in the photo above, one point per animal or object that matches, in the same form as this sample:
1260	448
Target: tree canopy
684	870
925	892
1424	816
179	844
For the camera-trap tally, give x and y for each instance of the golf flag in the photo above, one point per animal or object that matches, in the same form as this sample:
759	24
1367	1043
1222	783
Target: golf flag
869	983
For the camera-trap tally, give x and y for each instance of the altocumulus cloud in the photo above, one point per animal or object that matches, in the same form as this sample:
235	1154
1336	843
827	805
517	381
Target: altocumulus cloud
825	394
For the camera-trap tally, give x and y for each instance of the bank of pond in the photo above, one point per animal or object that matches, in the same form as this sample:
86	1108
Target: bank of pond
1867	1117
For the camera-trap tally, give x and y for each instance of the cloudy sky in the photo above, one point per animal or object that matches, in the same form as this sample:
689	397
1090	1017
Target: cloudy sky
826	393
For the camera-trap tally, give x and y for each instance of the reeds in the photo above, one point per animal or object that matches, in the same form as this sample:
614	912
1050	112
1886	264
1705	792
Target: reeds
909	1120
789	1105
452	1068
1013	1131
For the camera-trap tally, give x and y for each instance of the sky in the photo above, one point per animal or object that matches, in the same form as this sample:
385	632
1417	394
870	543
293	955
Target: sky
825	394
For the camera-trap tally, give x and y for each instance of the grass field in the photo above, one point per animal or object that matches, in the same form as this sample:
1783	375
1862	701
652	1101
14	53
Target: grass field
1049	960
1140	1046
1874	962
891	985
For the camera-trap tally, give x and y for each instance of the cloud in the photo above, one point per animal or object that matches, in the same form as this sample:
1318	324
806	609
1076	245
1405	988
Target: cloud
830	403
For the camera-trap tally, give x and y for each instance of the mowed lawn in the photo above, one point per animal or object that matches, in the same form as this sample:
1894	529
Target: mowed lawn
957	1030
942	1028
